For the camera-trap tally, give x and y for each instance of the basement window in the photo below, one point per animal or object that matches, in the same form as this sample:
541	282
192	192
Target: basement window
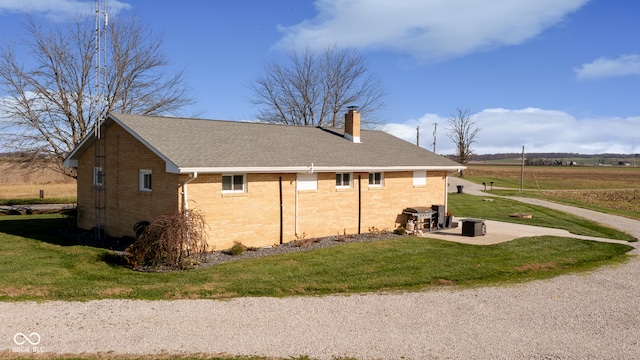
343	180
97	176
233	183
376	179
145	180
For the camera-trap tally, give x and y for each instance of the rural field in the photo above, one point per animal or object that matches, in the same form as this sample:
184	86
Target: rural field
17	182
608	189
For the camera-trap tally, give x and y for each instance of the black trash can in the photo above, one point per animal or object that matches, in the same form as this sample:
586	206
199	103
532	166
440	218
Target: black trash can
473	227
460	187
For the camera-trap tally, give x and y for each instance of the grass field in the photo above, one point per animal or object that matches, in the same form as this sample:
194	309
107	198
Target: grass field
17	182
38	263
464	205
605	189
556	177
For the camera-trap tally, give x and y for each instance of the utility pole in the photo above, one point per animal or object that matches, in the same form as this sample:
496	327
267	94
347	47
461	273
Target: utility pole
435	127
418	135
633	154
522	171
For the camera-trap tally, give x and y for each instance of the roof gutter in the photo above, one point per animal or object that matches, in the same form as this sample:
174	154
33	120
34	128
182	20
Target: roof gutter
314	169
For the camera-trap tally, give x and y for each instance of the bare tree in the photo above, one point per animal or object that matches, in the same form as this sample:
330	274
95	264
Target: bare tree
46	105
462	131
313	88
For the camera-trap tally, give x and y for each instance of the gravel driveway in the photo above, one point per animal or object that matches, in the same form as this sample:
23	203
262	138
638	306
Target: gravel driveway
586	316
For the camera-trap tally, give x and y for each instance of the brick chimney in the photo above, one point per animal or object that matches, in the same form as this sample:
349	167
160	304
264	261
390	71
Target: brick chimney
352	124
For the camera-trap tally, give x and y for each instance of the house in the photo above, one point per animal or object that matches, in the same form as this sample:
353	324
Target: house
256	183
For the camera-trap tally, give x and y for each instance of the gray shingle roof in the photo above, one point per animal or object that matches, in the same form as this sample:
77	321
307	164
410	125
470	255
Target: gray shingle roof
209	145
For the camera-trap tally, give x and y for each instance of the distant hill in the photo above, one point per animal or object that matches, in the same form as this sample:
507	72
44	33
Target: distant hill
556	159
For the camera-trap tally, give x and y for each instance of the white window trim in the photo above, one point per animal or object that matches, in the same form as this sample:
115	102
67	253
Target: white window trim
97	176
143	173
244	184
348	186
381	179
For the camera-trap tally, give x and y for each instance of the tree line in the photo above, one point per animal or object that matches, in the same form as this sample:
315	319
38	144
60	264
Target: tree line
47	103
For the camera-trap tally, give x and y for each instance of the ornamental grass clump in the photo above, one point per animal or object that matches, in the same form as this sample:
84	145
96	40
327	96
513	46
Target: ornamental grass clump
237	249
170	242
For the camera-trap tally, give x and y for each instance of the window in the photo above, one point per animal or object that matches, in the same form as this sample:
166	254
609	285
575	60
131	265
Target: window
97	176
419	178
307	182
376	179
343	180
233	183
145	180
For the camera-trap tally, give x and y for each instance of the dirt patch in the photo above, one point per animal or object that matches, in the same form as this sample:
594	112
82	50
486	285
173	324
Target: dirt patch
538	266
115	291
521	215
34	291
444	282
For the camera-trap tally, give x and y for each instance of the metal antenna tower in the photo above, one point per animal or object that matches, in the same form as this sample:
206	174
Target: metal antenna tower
99	111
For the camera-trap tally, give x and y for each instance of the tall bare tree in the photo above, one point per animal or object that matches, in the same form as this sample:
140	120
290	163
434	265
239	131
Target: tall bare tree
45	105
313	88
462	131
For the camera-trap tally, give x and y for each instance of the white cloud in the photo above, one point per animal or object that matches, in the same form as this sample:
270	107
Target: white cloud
506	131
603	67
426	29
58	10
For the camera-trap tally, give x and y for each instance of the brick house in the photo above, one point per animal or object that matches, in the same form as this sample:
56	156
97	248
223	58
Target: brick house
259	184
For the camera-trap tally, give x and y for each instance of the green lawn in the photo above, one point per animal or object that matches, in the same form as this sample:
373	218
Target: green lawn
498	208
38	263
604	207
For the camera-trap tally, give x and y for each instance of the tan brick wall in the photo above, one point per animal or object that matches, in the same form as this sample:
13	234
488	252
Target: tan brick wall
382	205
329	211
253	218
126	204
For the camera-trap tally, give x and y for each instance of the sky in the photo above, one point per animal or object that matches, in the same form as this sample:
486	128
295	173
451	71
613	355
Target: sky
549	75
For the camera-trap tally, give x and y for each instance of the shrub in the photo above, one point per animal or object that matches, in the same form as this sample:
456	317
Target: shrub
399	231
374	232
237	249
174	241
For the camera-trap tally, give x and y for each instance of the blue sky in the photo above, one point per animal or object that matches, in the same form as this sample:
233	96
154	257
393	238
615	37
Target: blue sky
552	75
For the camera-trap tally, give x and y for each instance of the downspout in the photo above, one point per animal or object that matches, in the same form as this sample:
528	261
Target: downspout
185	205
185	196
446	194
359	202
281	217
296	215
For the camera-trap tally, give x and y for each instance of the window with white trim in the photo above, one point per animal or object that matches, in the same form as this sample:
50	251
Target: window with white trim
97	176
343	180
234	183
419	178
145	180
376	179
